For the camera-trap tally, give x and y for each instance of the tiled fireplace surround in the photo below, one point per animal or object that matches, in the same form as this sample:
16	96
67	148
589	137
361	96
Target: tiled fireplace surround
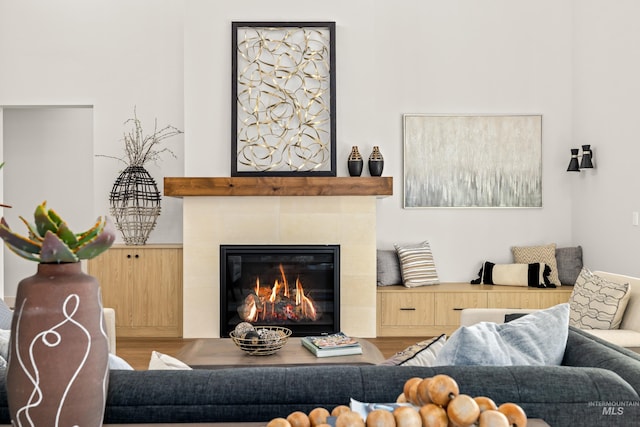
211	221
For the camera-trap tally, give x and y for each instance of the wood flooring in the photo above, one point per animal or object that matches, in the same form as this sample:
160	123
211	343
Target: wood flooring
137	351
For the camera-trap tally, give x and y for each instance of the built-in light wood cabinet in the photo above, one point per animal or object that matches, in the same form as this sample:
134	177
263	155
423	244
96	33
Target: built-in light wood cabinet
143	284
434	310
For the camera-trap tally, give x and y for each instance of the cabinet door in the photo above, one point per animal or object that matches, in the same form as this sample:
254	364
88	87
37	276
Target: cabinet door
406	309
144	287
448	305
522	299
112	270
157	290
549	299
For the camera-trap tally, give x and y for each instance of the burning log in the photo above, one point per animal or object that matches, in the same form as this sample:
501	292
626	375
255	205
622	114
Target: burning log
276	303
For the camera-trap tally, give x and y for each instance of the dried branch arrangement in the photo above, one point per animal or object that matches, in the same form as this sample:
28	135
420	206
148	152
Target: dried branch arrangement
141	149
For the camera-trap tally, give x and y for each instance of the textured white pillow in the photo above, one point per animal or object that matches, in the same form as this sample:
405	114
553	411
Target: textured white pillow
417	265
160	361
423	353
597	303
539	338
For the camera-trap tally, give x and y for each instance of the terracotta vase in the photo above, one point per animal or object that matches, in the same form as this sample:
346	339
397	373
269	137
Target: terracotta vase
58	369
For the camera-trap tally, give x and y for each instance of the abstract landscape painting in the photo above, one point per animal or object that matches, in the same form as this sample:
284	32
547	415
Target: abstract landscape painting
472	161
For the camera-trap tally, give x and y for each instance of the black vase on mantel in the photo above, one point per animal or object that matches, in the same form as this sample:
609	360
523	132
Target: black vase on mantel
376	162
355	162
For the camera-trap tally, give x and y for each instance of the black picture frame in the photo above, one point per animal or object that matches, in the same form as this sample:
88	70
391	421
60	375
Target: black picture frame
283	102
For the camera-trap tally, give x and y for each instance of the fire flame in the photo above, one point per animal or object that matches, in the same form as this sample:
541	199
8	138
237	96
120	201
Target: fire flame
269	303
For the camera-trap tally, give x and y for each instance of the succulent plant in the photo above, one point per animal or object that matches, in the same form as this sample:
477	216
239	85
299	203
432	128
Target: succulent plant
51	241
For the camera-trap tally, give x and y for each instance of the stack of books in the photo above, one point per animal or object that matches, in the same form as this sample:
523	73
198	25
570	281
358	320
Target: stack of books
329	345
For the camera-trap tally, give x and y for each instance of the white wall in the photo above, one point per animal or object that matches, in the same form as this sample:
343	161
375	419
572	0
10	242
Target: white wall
46	150
491	56
112	55
571	61
605	115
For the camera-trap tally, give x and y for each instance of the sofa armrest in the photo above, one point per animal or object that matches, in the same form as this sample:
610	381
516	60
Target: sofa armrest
586	350
471	316
110	325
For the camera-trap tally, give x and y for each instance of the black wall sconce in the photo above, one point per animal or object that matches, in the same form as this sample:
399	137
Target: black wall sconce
585	163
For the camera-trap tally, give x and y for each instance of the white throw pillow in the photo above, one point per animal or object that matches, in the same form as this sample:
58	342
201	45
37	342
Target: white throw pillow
160	361
423	353
597	303
118	363
539	338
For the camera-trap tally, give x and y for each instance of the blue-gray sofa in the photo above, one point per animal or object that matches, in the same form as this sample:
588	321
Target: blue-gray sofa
597	385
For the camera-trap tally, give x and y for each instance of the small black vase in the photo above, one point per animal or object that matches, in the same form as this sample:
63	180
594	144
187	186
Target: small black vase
376	162
355	162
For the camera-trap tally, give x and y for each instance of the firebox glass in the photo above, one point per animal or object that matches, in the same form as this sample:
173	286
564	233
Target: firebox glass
296	286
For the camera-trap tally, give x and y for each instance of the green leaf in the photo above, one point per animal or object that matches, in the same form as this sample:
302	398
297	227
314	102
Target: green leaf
17	241
91	233
43	221
55	250
55	218
33	233
100	243
24	254
67	235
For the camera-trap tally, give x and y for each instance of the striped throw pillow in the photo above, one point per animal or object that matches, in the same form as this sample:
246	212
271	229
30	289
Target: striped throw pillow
417	265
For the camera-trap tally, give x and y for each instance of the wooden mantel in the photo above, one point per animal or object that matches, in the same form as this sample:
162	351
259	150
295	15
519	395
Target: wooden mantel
278	186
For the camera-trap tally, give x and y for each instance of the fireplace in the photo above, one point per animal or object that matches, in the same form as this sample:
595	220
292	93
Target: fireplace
296	286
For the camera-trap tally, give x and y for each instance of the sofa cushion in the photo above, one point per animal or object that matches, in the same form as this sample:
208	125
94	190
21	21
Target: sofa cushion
388	268
584	349
534	274
417	265
597	303
423	353
538	338
545	254
569	262
238	394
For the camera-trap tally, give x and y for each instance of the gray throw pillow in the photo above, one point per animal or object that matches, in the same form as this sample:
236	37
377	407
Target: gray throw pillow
569	264
388	268
539	338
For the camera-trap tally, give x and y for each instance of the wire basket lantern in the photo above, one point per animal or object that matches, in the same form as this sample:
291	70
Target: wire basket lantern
135	204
